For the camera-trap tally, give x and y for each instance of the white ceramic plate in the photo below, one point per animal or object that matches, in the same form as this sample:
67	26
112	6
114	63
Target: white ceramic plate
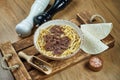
57	22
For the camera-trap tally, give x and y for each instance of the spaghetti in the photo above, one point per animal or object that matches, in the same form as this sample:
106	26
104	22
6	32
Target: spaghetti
69	32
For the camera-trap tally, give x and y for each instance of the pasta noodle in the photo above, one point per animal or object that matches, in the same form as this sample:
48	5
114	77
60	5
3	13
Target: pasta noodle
69	32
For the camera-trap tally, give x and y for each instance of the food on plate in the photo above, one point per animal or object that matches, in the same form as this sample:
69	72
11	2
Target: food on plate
58	41
95	63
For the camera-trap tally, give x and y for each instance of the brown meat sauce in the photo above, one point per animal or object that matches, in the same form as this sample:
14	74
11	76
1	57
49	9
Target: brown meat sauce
54	41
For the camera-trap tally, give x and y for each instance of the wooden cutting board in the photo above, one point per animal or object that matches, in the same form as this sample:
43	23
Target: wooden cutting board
26	72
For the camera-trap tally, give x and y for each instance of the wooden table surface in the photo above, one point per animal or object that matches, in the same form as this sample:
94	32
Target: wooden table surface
13	11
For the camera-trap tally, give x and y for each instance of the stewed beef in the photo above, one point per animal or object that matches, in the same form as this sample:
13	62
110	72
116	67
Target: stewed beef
50	38
56	43
56	30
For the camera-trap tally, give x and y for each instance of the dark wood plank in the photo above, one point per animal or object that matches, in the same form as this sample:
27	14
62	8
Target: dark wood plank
24	43
84	17
30	50
109	40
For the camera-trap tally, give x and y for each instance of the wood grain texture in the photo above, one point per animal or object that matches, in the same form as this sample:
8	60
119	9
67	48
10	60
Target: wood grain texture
26	45
21	72
13	11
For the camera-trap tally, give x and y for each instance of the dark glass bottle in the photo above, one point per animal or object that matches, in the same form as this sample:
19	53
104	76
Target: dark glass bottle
57	6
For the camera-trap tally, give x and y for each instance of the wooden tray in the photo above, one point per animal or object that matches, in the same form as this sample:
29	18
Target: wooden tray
26	72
